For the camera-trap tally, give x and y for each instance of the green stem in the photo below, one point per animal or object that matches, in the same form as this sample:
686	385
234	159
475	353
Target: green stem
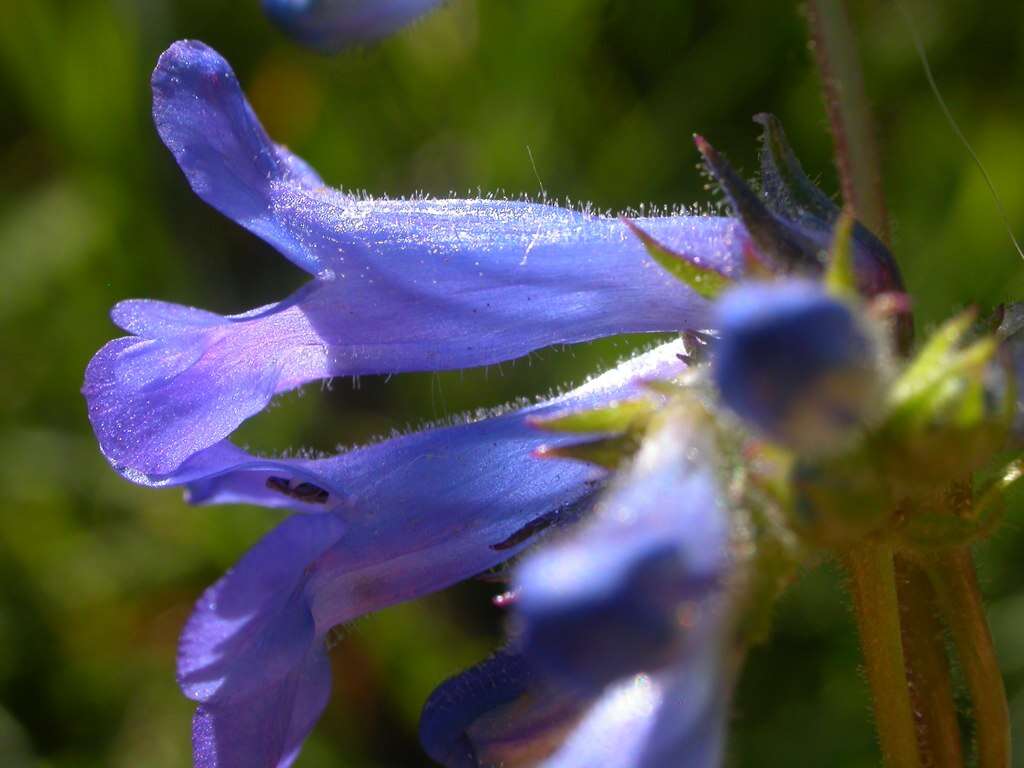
876	608
928	679
956	585
849	113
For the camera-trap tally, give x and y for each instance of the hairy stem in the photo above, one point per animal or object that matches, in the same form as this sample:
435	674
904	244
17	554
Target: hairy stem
876	608
849	114
927	666
956	585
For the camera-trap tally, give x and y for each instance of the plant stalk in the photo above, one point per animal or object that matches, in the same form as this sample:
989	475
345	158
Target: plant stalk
956	585
927	668
849	112
876	608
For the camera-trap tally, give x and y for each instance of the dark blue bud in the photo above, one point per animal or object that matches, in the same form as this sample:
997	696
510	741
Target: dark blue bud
791	221
795	363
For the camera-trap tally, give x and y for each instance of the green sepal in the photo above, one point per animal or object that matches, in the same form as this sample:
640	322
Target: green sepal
665	387
944	386
840	278
925	458
940	421
707	282
608	452
930	364
617	417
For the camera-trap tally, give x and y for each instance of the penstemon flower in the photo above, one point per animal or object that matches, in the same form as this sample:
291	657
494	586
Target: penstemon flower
398	285
659	508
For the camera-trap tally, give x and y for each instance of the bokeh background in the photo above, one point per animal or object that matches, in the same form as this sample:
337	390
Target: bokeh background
97	576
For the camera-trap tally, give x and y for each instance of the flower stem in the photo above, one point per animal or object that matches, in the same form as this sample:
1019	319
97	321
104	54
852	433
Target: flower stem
956	585
928	679
876	608
849	113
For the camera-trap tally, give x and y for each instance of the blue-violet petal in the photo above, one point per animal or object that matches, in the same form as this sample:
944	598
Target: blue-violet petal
401	285
621	593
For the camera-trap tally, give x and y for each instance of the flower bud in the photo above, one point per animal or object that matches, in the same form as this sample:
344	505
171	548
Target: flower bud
796	364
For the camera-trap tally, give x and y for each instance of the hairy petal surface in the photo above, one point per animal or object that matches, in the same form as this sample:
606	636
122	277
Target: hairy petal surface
477	462
401	519
401	285
621	594
333	25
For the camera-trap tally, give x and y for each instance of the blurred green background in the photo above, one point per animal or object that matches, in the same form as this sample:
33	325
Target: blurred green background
97	576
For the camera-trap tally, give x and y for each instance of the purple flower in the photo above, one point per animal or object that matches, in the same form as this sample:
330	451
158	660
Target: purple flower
333	25
675	719
795	363
408	285
627	611
607	602
502	713
399	285
401	519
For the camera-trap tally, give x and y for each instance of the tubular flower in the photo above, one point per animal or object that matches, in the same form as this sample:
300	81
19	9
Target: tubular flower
502	712
620	633
427	284
398	285
401	519
627	611
499	712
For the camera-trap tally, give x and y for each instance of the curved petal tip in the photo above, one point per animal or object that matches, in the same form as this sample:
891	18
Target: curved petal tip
203	117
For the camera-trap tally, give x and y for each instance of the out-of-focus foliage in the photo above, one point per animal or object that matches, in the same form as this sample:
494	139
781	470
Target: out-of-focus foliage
97	576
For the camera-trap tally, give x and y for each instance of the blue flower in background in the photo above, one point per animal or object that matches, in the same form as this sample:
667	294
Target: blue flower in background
333	25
